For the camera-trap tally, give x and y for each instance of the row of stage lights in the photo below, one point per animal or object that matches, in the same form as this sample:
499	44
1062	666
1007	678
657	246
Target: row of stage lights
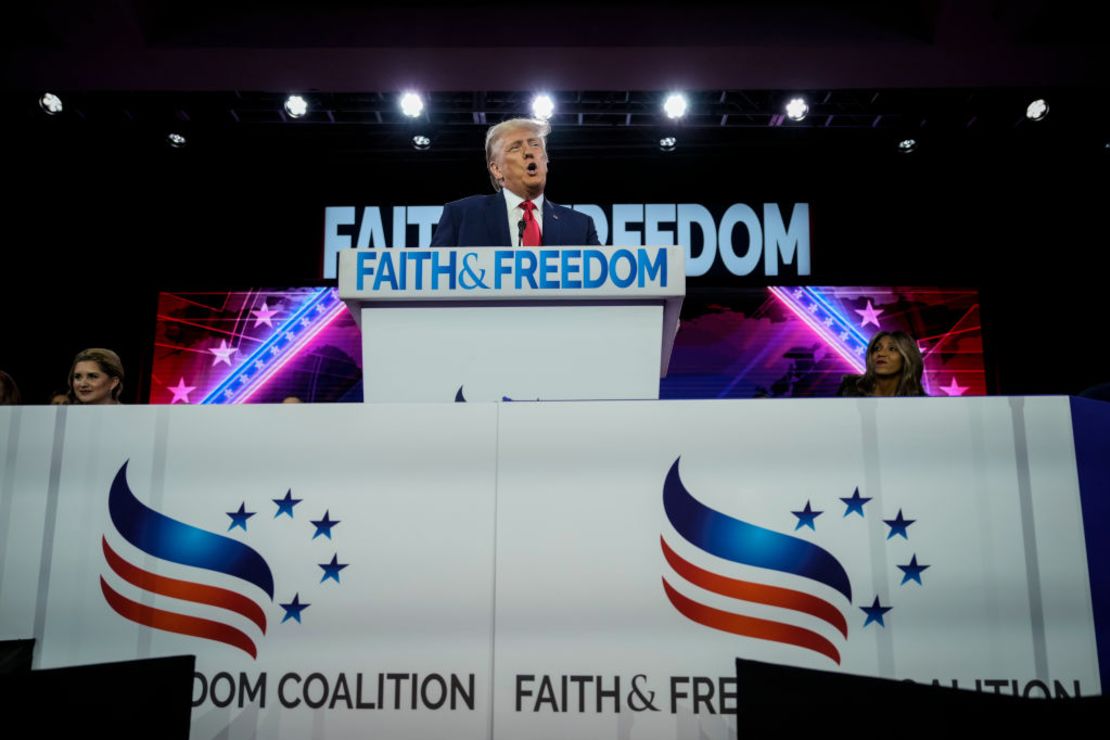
675	106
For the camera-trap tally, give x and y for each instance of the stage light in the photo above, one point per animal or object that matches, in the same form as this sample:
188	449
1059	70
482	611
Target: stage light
543	106
668	143
412	105
421	143
51	104
1037	110
675	105
296	106
175	140
797	109
905	146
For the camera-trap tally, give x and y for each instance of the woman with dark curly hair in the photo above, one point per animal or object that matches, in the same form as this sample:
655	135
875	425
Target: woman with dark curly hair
95	377
894	368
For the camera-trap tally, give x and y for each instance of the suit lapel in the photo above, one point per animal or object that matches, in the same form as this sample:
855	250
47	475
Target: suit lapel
552	225
497	221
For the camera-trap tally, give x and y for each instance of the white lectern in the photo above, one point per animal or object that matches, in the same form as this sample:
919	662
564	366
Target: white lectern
492	324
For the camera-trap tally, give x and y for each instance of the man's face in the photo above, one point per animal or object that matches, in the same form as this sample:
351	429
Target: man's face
520	163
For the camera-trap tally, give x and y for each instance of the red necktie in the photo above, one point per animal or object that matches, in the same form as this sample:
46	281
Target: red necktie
531	226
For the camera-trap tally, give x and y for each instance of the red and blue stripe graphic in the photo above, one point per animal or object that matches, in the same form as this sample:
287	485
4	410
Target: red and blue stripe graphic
169	540
741	542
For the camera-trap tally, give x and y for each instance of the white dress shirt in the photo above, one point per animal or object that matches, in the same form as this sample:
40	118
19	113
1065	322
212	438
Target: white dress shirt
516	213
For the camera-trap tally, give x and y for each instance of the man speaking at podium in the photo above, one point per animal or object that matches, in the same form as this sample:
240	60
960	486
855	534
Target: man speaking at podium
518	214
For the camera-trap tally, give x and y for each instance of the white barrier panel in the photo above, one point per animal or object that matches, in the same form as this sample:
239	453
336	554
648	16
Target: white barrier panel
546	570
414	599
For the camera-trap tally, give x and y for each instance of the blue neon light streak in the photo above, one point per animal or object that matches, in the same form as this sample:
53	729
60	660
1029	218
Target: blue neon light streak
850	352
819	297
296	344
256	360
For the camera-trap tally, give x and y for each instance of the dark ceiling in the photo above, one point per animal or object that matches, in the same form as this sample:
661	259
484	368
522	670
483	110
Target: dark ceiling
873	72
491	45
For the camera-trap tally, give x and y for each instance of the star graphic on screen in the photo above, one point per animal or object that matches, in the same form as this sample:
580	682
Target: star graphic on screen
898	525
263	315
285	505
855	502
239	518
954	388
875	612
870	315
912	571
331	570
806	517
222	353
293	609
323	526
181	391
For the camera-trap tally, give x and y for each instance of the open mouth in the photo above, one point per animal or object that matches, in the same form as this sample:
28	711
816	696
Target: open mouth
532	167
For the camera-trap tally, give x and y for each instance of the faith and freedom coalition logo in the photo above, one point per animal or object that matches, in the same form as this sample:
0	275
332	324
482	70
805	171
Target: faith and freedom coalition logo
782	572
203	604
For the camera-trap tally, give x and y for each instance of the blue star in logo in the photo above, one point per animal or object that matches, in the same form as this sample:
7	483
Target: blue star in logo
323	526
855	502
239	518
875	612
898	525
293	609
285	505
806	517
912	571
331	570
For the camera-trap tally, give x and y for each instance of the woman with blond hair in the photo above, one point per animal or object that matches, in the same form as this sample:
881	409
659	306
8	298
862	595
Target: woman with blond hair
95	377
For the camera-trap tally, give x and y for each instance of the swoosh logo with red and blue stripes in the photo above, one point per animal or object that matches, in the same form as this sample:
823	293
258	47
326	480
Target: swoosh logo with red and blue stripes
747	544
169	540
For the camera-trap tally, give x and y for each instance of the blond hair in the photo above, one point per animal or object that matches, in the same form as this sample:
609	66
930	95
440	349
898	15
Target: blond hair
494	134
109	362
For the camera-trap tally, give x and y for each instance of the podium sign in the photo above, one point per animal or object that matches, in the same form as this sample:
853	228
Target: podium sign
522	324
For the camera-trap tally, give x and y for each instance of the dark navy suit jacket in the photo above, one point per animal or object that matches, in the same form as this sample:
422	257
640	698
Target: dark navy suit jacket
482	221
